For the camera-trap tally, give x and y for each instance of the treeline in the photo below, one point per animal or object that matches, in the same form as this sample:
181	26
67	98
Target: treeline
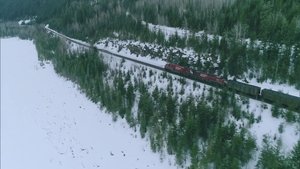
268	20
277	20
20	9
12	29
99	19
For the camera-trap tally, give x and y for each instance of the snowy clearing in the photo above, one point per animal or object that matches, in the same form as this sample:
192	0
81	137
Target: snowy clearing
47	123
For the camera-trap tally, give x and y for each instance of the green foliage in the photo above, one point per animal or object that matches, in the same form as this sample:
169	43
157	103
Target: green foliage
277	20
230	149
12	29
290	116
295	157
271	157
44	9
276	112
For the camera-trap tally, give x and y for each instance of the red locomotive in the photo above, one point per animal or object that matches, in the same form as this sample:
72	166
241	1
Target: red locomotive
178	69
195	74
208	78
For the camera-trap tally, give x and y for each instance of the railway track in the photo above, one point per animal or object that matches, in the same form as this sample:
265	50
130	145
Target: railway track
105	51
127	58
258	98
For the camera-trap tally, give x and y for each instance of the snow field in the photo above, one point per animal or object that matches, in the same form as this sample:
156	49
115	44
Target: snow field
47	123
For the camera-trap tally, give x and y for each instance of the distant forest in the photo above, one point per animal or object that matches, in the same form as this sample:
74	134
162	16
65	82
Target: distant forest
270	20
19	9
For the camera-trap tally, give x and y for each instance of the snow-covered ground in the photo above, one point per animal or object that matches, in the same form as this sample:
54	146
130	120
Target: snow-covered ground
113	46
291	90
267	126
27	21
24	22
172	31
47	123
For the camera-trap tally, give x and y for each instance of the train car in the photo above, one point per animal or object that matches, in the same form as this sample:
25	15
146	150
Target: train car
209	78
178	69
292	102
244	88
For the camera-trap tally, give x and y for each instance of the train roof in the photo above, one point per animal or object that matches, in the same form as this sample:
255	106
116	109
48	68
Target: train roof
280	93
245	84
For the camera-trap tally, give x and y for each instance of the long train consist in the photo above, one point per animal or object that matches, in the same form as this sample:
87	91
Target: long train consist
274	97
271	96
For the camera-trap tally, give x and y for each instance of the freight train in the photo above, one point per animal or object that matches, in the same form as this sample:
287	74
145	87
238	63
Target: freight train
274	97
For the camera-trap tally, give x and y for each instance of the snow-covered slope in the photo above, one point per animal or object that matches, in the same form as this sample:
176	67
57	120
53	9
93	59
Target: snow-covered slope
264	125
47	123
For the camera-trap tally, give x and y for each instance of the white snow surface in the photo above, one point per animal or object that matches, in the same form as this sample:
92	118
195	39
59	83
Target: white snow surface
172	31
287	89
24	21
47	123
269	127
126	52
27	21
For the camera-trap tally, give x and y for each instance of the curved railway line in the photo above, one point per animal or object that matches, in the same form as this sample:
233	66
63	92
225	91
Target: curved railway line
257	97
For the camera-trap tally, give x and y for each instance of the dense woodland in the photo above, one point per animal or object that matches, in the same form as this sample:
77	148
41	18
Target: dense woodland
269	20
19	9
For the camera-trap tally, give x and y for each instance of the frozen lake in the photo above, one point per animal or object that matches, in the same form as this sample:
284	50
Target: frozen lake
47	123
